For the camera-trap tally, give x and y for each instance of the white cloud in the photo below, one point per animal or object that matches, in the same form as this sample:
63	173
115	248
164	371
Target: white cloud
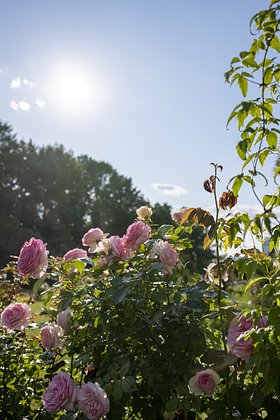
40	103
18	82
27	82
20	105
169	189
15	83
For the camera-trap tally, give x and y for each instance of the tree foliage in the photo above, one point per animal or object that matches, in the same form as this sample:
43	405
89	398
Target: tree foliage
49	193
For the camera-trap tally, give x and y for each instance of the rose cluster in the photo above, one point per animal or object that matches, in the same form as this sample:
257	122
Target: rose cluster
62	393
33	260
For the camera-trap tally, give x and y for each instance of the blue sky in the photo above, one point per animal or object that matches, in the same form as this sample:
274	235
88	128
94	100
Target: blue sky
138	84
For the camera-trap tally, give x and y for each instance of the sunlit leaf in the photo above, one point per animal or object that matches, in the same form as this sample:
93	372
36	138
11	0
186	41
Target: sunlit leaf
243	85
275	43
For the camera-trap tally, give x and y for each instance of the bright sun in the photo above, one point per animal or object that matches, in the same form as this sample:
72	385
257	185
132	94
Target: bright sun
72	90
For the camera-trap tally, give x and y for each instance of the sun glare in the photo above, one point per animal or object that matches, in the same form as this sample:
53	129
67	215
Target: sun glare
72	90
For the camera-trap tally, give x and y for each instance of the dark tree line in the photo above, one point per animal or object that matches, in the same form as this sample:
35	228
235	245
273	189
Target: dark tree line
49	193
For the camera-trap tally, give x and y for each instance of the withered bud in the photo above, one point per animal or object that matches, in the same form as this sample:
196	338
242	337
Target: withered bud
227	200
207	186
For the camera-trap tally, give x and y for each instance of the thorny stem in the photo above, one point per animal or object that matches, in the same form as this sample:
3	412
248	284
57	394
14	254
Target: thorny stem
220	287
219	265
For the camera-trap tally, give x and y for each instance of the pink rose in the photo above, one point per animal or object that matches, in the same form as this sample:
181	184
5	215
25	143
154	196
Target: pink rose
75	254
239	346
91	238
136	234
51	336
92	401
33	259
117	245
61	393
64	318
205	382
16	316
168	256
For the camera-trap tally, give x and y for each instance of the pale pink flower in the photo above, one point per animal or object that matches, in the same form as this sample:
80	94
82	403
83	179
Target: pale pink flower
64	318
75	254
239	346
137	233
15	316
178	213
205	382
33	259
61	393
92	401
103	246
212	274
118	247
92	237
167	255
51	336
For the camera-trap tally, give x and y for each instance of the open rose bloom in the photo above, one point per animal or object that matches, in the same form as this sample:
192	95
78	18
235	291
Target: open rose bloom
117	247
64	318
92	237
92	401
167	255
239	346
205	382
137	233
33	259
61	393
51	337
144	213
16	316
75	254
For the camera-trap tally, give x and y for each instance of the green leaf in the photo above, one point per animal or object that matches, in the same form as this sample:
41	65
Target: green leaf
235	60
243	85
38	284
79	265
242	149
172	405
163	230
275	43
119	294
237	185
262	156
252	282
271	139
128	384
